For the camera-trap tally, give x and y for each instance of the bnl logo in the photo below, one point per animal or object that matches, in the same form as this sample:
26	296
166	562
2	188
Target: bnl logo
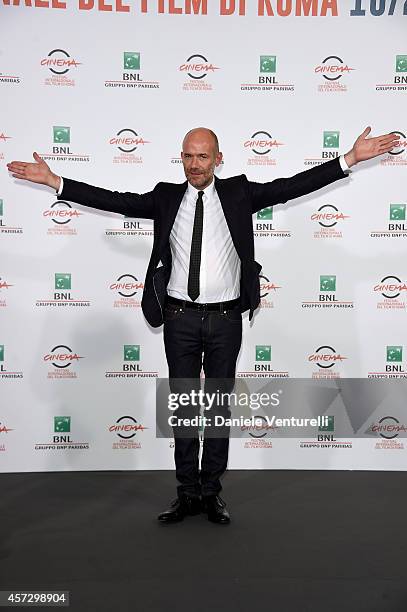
131	353
265	216
62	424
267	67
131	61
397	214
327	284
132	225
330	426
263	355
62	286
401	66
330	141
2	357
1	212
394	358
61	136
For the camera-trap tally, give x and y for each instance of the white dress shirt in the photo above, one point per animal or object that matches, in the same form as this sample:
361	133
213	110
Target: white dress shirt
219	279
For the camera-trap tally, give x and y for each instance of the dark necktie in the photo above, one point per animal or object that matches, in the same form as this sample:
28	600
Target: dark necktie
196	244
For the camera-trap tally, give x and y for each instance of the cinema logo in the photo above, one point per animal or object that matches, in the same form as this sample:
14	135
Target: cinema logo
126	429
4	433
393	367
398	78
132	365
268	290
326	358
61	68
398	155
60	215
267	79
62	438
327	296
199	71
396	226
332	69
127	145
328	220
61	149
393	291
4	288
258	433
262	366
127	290
330	149
265	228
4	429
132	75
262	145
4	372
63	296
387	429
3	140
5	228
326	437
62	358
131	227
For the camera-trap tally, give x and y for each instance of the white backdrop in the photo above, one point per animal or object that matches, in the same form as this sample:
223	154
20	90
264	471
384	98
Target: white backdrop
283	93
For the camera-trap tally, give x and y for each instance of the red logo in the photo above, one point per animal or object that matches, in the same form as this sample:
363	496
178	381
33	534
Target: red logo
4	285
59	62
58	356
197	69
325	357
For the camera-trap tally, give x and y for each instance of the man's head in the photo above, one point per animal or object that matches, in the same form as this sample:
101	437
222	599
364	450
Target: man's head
200	156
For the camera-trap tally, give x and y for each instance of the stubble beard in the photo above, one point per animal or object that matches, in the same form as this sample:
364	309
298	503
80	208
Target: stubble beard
200	181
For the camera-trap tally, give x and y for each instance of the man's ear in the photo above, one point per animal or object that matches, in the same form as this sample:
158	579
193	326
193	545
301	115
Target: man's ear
219	157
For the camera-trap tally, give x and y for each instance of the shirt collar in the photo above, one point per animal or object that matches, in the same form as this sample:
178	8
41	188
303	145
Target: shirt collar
192	192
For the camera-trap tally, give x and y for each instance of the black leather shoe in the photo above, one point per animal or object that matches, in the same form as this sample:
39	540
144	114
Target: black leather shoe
180	508
216	509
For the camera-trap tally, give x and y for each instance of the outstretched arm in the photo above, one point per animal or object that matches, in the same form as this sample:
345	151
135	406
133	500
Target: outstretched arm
281	190
365	148
128	204
38	172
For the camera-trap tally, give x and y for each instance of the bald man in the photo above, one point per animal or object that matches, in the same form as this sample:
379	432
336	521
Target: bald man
202	276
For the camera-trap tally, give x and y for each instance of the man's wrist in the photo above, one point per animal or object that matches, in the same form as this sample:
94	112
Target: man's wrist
55	182
350	158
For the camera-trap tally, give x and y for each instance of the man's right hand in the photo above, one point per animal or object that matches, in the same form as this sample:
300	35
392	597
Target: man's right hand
38	172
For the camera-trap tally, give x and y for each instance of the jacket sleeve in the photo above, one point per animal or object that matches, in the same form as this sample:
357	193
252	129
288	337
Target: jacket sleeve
125	203
281	190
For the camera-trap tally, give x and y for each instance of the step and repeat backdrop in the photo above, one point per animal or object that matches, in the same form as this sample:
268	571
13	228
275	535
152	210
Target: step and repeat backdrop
104	91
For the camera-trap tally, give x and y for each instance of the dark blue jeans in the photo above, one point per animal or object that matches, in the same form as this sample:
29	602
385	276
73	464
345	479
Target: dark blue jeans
196	339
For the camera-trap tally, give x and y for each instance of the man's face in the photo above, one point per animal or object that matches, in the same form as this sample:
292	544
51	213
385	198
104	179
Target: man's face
200	158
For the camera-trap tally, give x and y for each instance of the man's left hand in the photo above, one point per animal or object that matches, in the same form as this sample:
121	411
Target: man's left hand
366	148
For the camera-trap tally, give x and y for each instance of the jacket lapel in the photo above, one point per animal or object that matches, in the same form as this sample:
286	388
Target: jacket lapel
228	202
172	203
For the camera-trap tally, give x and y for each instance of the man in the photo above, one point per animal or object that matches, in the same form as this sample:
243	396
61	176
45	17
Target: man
202	275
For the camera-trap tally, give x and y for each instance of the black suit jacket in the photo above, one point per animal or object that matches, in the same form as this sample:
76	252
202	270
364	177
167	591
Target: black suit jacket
239	197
